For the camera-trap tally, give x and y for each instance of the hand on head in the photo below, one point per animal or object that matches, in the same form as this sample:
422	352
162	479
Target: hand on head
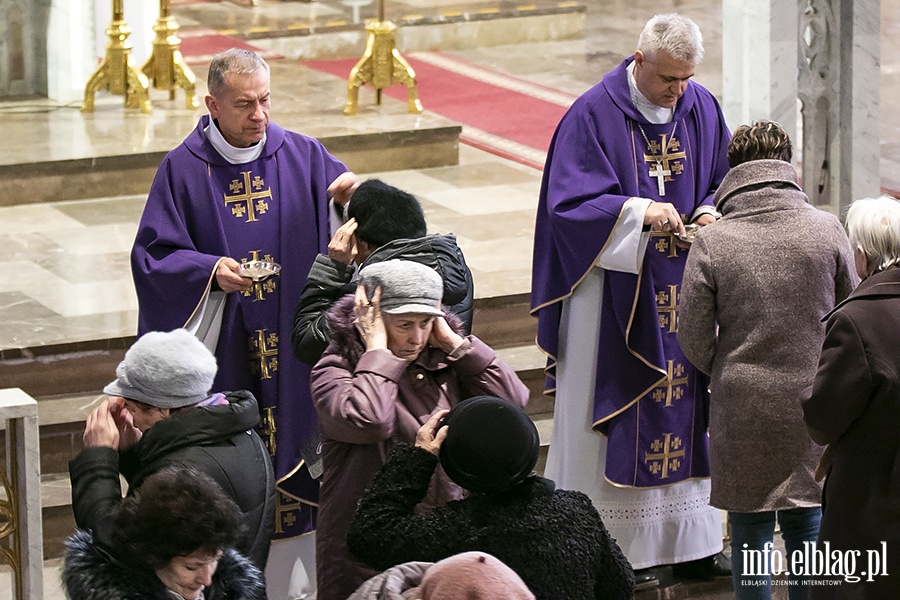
228	276
110	425
368	319
343	247
100	429
443	337
430	436
129	434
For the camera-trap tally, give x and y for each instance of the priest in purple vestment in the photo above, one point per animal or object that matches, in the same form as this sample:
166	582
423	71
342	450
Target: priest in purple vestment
240	188
634	159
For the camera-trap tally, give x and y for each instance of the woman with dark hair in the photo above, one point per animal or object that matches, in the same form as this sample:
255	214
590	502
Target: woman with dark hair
756	285
553	539
171	540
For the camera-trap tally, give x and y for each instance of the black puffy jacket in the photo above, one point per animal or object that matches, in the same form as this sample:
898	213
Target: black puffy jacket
216	440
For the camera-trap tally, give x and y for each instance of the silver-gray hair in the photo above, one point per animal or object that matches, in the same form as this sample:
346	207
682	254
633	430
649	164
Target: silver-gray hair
233	60
677	35
874	227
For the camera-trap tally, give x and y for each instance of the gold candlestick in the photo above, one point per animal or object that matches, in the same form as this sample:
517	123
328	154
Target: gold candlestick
117	73
166	68
381	66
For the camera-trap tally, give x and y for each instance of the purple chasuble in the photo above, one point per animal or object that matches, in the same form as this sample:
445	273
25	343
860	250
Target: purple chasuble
649	400
201	208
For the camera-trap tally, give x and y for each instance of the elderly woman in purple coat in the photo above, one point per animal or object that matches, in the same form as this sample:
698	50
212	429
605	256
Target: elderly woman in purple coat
854	407
395	358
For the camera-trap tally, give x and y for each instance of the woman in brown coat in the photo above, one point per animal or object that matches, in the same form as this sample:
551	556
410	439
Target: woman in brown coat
854	407
394	359
756	286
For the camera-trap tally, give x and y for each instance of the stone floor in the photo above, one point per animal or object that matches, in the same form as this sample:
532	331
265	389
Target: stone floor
66	262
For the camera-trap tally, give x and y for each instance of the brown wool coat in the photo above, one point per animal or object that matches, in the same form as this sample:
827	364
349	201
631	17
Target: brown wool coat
766	274
854	406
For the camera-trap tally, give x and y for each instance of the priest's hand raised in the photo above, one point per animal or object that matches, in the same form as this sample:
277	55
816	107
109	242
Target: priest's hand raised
663	216
228	276
341	189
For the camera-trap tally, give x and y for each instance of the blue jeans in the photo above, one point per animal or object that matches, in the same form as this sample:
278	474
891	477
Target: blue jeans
751	532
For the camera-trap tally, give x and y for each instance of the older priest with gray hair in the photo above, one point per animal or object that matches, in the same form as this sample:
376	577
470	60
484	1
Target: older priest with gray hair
634	159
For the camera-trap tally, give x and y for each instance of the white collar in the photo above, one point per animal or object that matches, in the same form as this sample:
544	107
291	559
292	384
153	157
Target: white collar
236	156
653	113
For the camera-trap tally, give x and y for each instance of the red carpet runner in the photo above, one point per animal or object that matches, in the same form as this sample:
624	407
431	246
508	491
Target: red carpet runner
506	119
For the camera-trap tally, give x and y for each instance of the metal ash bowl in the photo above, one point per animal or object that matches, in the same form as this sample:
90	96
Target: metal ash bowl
258	270
690	233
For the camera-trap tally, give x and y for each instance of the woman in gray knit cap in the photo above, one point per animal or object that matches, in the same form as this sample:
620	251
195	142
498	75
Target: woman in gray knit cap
395	358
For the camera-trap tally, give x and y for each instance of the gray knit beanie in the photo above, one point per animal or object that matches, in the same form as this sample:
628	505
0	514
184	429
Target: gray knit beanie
170	369
406	287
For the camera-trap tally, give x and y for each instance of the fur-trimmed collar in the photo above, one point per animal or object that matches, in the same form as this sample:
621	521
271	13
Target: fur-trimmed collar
345	340
89	572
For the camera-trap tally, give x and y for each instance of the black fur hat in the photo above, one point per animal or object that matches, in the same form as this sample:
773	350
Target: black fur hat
491	445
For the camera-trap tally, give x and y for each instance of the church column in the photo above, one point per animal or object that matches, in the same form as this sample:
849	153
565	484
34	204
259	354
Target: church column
826	53
759	62
856	147
70	49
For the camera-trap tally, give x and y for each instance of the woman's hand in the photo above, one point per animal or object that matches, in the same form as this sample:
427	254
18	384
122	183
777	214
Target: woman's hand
100	430
429	437
368	319
443	337
129	435
342	247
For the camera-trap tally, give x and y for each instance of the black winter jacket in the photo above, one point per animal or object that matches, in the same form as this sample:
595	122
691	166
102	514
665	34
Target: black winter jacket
554	539
329	280
91	573
216	440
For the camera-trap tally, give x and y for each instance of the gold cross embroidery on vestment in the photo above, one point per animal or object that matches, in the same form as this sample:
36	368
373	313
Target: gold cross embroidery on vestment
268	429
666	456
264	353
667	308
665	157
286	508
673	386
245	200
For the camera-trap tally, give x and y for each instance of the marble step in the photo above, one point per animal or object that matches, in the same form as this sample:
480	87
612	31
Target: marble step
61	415
84	367
493	24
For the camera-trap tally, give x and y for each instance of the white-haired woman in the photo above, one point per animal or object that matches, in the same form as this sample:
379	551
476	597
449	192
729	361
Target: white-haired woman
854	407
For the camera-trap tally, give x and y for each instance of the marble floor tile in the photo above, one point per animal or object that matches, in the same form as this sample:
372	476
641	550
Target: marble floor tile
483	174
484	200
35	218
99	239
123	209
498	256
